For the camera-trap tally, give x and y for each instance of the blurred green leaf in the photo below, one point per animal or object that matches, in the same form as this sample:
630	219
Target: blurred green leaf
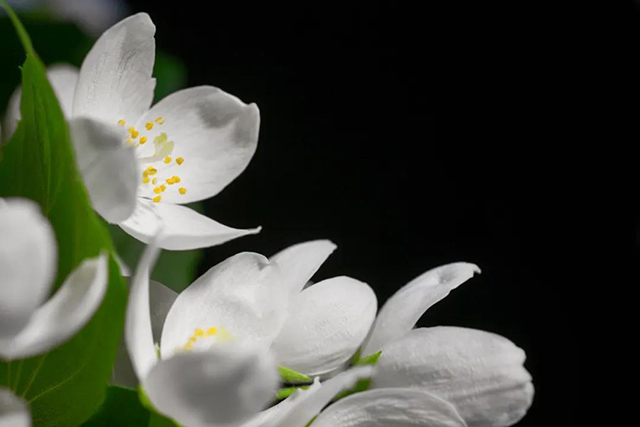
66	385
121	408
170	74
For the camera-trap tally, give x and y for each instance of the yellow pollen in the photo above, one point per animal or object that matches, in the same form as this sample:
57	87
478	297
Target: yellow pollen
157	199
149	125
157	190
199	332
211	331
159	120
167	159
176	178
151	170
143	140
145	173
121	122
170	181
164	187
155	181
182	190
179	160
145	180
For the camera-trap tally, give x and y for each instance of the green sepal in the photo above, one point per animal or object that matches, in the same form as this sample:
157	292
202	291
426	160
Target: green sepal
290	376
283	393
371	359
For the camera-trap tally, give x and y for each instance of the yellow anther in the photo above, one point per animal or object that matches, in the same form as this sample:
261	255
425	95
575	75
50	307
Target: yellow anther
167	159
176	178
145	180
157	190
157	199
211	331
151	170
159	120
170	181
179	160
143	140
121	122
149	125
164	187
182	190
145	173
155	181
199	332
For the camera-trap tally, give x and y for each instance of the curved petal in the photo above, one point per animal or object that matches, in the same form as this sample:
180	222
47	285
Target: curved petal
13	410
108	167
327	323
481	373
115	78
224	386
403	310
300	262
215	134
138	333
240	298
303	405
64	314
183	228
391	407
28	257
63	79
161	300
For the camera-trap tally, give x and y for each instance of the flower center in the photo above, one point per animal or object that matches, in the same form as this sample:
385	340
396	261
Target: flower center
202	339
161	158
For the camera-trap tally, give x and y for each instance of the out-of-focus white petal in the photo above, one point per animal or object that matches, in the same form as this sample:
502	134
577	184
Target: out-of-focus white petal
327	323
215	133
303	405
391	407
300	262
403	310
63	79
241	297
13	410
28	257
224	386
481	373
183	228
109	168
115	78
161	300
137	332
64	314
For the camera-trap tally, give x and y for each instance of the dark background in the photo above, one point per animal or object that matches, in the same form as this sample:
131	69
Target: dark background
411	138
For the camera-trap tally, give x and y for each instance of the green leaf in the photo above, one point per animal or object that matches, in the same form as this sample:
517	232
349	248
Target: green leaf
283	393
371	359
170	74
292	377
66	385
121	408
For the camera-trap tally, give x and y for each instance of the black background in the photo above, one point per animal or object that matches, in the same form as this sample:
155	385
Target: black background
409	137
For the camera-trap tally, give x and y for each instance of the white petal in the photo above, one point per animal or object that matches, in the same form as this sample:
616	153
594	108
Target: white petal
28	257
137	332
109	168
63	79
327	323
215	133
392	407
481	373
115	79
403	310
300	262
65	313
240	297
183	228
224	386
303	405
13	410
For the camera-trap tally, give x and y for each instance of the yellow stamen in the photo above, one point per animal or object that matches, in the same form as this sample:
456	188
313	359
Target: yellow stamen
121	122
167	159
143	140
211	331
149	125
151	170
182	190
170	181
157	199
199	332
155	181
145	180
159	120
179	160
176	178
157	190
164	187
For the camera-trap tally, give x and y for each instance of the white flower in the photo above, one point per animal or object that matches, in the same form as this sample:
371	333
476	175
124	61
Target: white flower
140	164
251	299
444	376
13	410
31	323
